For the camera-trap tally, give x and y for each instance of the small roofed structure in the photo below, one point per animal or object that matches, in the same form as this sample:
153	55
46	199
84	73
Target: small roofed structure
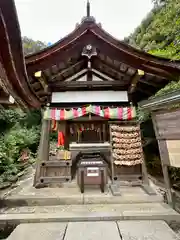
165	112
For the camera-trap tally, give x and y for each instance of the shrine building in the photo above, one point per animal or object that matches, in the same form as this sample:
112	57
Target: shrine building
87	85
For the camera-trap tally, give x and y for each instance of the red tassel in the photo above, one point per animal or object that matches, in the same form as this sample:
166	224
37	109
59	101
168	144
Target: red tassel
60	139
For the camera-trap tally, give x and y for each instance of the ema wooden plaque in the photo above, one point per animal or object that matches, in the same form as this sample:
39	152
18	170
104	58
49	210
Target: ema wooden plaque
173	147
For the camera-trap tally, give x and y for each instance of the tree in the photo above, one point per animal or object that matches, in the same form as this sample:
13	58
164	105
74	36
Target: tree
159	32
30	46
159	2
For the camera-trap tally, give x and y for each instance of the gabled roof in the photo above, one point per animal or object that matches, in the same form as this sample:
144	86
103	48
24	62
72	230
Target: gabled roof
91	32
61	61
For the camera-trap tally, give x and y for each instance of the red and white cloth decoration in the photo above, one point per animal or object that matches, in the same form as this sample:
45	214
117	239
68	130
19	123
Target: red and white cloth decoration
120	113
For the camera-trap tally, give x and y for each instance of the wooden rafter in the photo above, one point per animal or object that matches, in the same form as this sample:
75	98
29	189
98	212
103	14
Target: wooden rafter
97	62
69	68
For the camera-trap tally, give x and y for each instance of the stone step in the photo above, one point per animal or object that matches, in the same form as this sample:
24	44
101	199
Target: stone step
65	196
90	212
120	230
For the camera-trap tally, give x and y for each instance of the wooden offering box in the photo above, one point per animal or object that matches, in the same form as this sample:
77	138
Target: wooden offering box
92	171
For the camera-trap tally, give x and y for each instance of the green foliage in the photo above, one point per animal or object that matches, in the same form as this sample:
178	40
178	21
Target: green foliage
142	115
159	32
32	118
172	86
159	35
19	138
54	136
8	118
30	46
21	131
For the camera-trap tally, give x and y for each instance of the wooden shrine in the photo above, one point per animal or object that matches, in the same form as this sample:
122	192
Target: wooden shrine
88	85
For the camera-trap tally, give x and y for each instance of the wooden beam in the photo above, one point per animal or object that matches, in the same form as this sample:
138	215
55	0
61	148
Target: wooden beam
159	72
135	80
40	77
102	75
91	84
69	68
76	76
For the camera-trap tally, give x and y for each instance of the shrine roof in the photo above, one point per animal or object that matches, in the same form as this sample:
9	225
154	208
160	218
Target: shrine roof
116	64
161	102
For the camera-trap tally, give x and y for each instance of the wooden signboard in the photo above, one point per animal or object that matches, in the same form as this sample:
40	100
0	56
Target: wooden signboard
167	130
173	147
167	124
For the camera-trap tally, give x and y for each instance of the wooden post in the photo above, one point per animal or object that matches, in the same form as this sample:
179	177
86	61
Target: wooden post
167	184
163	155
67	135
43	152
145	179
111	156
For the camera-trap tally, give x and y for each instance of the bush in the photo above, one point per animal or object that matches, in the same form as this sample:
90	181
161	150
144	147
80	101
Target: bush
18	139
19	131
13	143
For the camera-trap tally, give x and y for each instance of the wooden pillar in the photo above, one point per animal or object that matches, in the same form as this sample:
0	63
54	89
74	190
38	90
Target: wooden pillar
167	184
111	156
145	179
43	152
67	135
164	160
144	173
